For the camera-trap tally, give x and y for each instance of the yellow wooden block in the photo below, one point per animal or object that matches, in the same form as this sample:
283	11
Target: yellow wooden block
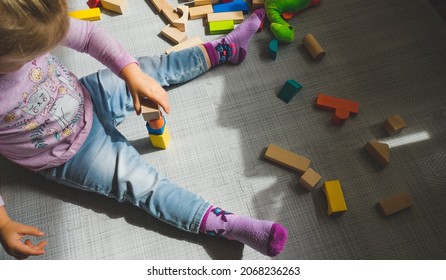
89	14
335	197
160	141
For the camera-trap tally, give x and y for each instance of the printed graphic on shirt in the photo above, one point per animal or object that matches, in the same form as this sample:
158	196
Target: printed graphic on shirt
50	110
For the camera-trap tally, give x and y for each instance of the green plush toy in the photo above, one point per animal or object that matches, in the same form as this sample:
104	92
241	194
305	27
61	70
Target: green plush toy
274	10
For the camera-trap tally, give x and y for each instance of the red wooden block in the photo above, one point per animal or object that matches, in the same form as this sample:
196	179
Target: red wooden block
94	3
332	103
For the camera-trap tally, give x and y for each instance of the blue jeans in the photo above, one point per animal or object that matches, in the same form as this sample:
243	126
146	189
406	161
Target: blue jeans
108	164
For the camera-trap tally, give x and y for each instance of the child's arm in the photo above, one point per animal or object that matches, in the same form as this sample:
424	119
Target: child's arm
10	236
87	37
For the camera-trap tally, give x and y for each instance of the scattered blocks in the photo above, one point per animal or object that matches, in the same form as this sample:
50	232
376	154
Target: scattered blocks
286	158
237	16
342	108
273	47
289	90
313	47
394	124
94	3
89	14
221	27
395	204
117	6
335	197
194	41
232	6
378	151
150	110
309	179
200	11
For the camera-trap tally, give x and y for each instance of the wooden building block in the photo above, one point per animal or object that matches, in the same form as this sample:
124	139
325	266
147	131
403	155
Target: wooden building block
286	158
221	27
170	13
236	16
335	197
257	4
313	47
232	7
200	11
394	124
150	110
273	47
117	6
156	126
191	42
378	151
205	2
160	141
173	34
342	108
89	14
181	23
159	4
94	3
309	179
289	90
395	204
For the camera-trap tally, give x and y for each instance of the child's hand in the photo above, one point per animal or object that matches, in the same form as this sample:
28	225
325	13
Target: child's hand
144	86
11	234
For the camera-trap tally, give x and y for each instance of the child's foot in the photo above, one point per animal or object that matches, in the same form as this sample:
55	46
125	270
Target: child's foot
234	46
264	236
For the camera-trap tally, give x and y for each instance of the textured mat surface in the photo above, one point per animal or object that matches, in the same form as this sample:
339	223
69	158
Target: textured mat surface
390	56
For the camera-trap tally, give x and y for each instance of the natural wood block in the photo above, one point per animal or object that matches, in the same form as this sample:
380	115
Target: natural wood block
173	34
335	197
313	47
286	158
159	4
380	152
117	6
310	179
200	11
205	2
394	124
194	41
89	14
257	4
395	204
150	110
237	16
181	23
170	13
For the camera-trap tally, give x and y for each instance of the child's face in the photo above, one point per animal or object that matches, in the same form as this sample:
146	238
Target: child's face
10	63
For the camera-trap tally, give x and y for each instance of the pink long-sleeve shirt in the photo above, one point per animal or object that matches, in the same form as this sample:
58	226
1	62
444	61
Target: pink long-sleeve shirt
45	112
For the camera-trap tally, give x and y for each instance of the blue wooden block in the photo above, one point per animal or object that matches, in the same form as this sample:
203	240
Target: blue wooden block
289	90
272	48
232	7
156	131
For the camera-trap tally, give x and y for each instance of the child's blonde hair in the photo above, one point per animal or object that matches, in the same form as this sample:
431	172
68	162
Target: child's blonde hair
32	27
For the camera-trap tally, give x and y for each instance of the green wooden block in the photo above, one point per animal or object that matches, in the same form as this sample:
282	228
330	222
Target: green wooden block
289	90
219	27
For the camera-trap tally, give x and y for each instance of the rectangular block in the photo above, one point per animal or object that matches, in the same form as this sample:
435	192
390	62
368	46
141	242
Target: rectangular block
394	124
232	7
286	158
200	12
335	197
204	2
395	204
149	110
160	141
221	27
236	16
332	103
173	34
159	4
89	14
194	41
117	6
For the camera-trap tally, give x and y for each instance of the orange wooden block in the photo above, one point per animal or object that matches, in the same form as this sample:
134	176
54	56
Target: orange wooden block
394	124
331	103
287	158
395	204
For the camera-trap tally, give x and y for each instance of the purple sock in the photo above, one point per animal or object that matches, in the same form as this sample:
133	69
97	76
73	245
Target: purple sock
234	46
266	237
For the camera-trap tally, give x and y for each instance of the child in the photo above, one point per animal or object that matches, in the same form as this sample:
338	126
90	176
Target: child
65	128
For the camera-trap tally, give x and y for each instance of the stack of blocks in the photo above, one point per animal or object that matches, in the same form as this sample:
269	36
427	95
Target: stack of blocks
155	124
